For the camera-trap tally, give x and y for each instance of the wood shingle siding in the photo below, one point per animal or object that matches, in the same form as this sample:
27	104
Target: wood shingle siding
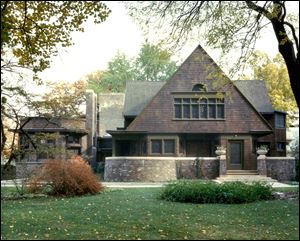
158	116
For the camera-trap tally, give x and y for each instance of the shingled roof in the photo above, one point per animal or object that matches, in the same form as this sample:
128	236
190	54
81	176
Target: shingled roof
139	94
54	124
256	93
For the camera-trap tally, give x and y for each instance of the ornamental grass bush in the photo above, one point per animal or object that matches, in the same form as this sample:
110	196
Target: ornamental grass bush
73	177
212	192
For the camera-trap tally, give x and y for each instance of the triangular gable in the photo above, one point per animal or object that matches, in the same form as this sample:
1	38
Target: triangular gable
158	115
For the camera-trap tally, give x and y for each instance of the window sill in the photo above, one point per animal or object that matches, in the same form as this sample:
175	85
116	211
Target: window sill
174	119
160	154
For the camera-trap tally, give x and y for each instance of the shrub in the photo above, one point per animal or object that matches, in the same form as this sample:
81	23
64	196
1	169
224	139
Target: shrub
8	172
297	170
65	177
211	192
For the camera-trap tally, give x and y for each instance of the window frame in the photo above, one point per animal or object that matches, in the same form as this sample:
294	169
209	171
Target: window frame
162	141
280	143
206	102
278	125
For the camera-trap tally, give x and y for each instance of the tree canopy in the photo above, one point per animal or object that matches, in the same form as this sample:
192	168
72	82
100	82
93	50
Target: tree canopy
274	72
63	100
151	64
227	25
31	33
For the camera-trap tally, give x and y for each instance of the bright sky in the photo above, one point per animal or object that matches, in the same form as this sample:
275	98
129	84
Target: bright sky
100	43
96	46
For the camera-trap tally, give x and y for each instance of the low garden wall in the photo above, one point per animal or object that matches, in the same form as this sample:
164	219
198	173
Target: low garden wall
27	169
159	169
197	167
281	168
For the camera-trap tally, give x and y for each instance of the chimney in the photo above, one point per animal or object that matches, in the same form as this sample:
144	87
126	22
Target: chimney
91	126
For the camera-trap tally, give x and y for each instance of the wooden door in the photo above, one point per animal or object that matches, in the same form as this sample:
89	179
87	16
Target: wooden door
236	155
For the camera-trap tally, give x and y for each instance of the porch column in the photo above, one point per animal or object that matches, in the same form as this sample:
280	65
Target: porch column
262	165
221	155
222	167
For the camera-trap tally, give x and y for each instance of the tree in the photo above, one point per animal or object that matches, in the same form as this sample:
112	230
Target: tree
32	30
275	74
31	33
120	69
63	100
152	64
93	80
228	25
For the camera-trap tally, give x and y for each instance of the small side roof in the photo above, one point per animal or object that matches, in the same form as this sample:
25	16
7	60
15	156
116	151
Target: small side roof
53	124
256	93
138	94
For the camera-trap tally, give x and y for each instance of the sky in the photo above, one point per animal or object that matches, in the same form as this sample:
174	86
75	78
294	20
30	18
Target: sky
95	47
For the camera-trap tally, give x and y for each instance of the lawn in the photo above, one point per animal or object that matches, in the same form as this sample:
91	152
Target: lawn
137	213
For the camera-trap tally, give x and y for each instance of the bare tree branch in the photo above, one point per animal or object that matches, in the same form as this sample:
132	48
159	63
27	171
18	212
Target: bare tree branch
259	9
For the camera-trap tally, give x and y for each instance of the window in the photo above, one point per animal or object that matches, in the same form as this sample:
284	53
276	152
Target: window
199	87
73	139
24	142
51	142
169	146
280	146
279	120
195	108
156	146
163	146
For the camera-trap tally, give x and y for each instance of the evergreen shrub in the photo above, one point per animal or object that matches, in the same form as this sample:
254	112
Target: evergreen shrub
212	192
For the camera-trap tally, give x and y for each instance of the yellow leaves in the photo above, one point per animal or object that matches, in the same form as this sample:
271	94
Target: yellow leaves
26	27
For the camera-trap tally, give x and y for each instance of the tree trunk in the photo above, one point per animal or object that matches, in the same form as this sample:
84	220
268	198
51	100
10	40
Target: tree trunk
3	137
286	49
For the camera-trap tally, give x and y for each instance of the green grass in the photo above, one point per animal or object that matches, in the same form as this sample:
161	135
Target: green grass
137	213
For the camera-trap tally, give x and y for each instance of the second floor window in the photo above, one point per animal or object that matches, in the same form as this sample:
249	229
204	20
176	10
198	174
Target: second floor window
73	139
279	120
201	109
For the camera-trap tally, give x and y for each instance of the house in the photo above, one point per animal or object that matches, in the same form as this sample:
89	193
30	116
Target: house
43	138
171	129
161	131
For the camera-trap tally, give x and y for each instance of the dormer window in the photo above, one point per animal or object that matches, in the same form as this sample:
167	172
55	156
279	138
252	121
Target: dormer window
199	87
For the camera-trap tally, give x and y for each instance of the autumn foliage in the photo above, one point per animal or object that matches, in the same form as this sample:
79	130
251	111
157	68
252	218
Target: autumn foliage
65	177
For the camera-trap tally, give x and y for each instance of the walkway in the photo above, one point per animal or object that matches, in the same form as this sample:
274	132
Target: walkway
10	183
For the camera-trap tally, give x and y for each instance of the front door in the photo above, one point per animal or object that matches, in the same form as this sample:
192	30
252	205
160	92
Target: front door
236	155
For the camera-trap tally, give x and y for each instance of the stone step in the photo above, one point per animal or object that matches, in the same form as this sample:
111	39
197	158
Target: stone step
242	172
245	178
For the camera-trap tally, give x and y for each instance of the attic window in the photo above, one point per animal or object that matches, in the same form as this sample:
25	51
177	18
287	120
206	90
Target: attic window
199	87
